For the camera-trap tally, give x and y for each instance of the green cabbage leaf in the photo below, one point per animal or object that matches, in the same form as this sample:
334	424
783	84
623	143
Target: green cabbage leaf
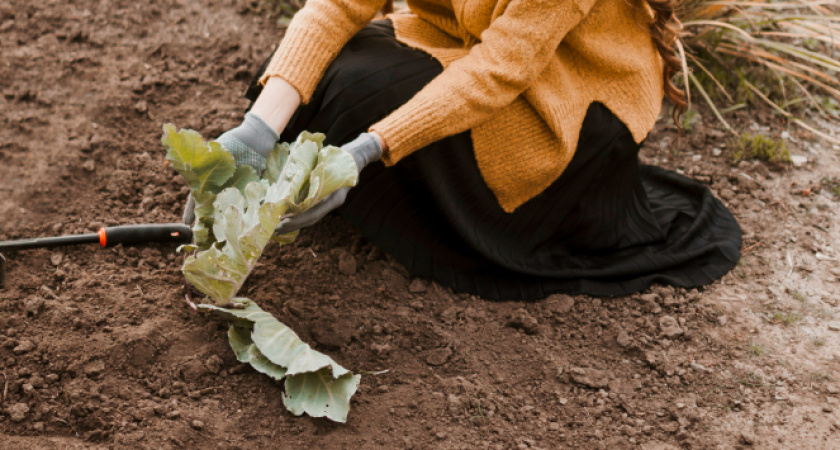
236	211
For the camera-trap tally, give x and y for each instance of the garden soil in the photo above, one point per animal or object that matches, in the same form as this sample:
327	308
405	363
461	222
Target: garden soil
98	348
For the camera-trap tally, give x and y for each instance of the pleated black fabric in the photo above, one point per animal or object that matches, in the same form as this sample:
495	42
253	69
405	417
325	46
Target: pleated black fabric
608	226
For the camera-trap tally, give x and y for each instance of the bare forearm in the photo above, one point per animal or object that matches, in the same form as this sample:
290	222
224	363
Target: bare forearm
278	101
276	104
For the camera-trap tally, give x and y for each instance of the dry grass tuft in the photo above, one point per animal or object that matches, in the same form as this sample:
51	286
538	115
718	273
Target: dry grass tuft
781	53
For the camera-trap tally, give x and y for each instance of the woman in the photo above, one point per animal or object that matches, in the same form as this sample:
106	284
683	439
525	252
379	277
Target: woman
499	141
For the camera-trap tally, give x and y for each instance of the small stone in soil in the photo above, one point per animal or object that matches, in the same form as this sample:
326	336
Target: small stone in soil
25	346
56	258
623	339
197	424
747	438
798	160
700	368
834	326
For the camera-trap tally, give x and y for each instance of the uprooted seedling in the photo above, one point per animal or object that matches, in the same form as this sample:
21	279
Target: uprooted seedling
237	211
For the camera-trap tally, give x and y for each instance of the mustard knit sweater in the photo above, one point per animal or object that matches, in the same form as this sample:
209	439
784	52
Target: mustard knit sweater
519	73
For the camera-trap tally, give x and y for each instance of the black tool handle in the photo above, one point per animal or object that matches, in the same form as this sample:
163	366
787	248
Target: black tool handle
48	242
145	233
110	236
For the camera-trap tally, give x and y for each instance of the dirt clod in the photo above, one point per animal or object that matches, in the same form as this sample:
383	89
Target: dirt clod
438	356
332	333
214	364
94	368
417	286
524	321
346	263
18	412
669	327
24	347
33	306
393	281
595	379
560	303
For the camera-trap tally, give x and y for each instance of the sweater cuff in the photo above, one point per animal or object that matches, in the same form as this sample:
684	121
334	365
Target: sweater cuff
301	59
403	139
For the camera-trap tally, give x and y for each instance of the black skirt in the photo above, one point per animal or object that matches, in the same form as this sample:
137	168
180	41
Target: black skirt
608	226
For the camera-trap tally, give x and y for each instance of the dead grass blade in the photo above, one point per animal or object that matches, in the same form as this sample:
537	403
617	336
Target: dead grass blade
774	49
711	103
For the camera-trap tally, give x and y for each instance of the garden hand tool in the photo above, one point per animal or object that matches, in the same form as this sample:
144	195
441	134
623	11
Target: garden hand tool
106	237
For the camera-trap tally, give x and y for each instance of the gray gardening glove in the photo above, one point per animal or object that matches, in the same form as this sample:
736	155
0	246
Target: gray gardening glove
365	149
250	143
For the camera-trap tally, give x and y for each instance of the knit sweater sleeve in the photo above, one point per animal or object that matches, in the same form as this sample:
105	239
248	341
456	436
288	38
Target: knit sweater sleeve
314	38
513	51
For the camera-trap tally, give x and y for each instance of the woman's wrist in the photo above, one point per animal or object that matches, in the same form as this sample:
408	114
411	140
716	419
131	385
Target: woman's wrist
276	103
382	144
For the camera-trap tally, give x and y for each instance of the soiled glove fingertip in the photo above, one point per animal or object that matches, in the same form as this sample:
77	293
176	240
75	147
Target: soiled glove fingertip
188	215
284	227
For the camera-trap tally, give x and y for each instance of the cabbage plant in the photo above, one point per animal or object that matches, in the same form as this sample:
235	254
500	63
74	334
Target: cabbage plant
237	210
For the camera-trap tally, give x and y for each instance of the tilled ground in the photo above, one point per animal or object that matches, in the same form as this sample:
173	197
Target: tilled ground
97	347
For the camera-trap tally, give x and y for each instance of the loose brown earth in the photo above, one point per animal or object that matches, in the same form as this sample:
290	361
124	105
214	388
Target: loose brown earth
98	349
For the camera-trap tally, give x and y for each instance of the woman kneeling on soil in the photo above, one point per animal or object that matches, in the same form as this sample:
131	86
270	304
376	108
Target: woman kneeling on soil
499	141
